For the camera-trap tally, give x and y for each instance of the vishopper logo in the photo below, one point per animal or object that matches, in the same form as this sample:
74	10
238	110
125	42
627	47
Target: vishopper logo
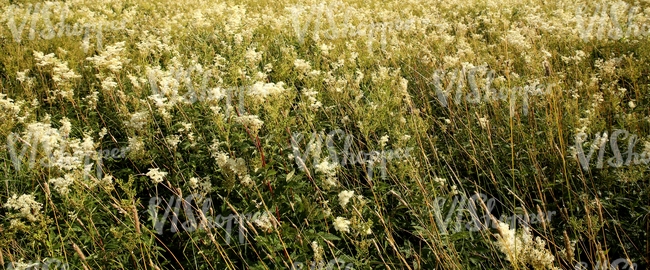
50	263
599	143
610	22
603	265
206	221
184	76
49	32
478	223
458	77
346	29
315	146
333	264
58	158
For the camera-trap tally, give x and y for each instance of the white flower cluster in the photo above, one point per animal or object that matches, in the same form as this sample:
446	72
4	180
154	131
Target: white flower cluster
253	122
238	166
138	120
54	143
318	251
252	56
110	58
61	74
329	170
204	186
302	65
344	197
311	96
136	145
10	108
261	91
266	221
62	184
28	207
521	249
156	175
440	181
341	224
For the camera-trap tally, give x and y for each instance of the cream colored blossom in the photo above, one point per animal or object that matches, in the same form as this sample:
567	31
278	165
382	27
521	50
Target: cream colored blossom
341	224
253	122
61	184
26	205
156	175
344	197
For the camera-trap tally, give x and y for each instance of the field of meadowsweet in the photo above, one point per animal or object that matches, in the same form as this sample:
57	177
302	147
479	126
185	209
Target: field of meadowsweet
428	134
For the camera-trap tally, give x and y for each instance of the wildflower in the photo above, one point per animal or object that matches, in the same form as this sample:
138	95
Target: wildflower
311	96
252	57
253	122
194	182
344	197
266	221
383	140
61	184
521	249
302	65
21	76
26	204
318	251
326	209
138	120
341	224
246	180
261	91
156	175
173	140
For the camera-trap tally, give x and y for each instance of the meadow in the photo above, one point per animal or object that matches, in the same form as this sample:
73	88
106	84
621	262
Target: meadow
415	134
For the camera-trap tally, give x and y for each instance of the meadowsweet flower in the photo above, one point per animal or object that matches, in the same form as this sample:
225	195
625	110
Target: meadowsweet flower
268	67
329	170
341	224
246	181
326	209
252	57
509	244
194	182
136	145
253	122
344	197
21	76
26	205
311	97
261	91
302	65
108	84
266	221
173	140
138	120
156	175
110	58
318	251
520	249
454	190
61	184
383	140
